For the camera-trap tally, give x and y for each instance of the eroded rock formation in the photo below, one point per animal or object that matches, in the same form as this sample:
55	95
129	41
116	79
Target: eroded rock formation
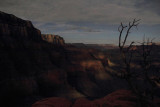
55	39
11	25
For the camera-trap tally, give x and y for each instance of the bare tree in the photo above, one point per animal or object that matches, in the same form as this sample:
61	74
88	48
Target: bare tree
126	52
145	52
127	55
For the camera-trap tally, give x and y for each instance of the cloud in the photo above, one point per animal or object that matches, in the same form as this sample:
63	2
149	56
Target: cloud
86	18
149	5
94	11
57	27
81	28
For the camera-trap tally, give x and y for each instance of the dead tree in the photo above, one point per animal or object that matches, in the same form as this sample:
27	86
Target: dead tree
126	52
146	60
127	55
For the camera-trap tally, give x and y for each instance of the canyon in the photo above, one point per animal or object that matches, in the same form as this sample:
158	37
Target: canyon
41	69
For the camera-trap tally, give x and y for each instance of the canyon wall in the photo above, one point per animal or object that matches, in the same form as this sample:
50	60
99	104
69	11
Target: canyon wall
11	25
55	39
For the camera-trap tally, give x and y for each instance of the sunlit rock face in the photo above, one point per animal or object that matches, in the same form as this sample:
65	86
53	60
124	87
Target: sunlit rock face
55	39
11	25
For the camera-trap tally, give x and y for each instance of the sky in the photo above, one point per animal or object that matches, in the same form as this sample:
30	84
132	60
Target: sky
89	21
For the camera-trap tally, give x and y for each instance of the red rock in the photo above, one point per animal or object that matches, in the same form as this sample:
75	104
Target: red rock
55	39
82	102
53	102
11	25
119	98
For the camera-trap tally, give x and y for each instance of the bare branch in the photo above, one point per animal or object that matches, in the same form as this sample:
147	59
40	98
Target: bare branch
134	23
120	29
130	46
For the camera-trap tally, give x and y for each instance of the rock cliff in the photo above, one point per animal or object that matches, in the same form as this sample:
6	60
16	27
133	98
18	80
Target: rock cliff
28	65
118	98
55	39
11	25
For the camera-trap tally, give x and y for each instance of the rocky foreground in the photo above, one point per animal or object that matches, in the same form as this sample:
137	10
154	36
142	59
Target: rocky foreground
120	98
34	67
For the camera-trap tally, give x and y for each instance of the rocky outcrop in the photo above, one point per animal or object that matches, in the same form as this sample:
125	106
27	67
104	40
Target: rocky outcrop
119	98
28	64
53	102
11	25
55	39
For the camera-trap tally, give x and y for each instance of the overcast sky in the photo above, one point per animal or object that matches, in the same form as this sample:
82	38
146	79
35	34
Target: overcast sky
88	21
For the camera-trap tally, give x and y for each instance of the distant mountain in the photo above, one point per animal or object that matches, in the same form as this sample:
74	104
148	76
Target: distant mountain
96	46
102	46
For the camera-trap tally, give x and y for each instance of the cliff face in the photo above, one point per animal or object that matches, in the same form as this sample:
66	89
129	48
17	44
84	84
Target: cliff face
55	39
28	65
11	25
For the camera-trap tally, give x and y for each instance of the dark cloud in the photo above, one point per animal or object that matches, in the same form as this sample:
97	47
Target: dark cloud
94	11
150	5
85	17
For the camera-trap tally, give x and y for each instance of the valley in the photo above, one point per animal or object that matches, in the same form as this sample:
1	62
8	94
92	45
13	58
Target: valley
42	70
